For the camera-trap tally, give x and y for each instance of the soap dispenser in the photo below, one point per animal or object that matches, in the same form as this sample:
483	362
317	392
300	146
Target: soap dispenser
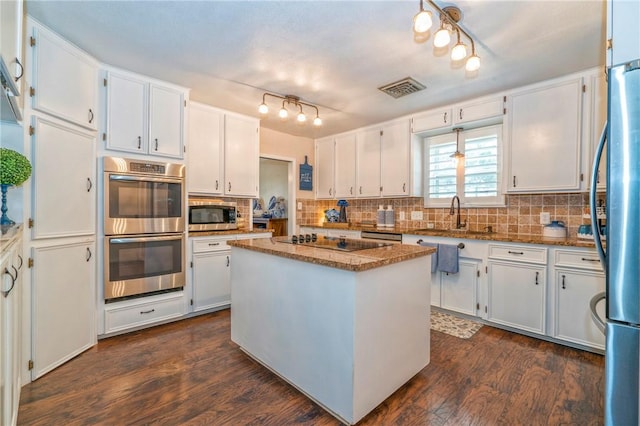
389	219
380	218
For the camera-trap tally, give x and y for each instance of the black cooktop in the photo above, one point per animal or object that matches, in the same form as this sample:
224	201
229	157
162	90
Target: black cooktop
336	243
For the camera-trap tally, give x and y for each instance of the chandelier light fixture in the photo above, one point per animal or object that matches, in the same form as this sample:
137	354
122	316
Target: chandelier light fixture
449	18
293	102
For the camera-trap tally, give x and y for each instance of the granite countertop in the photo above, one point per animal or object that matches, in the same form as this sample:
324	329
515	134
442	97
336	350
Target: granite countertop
355	261
226	232
484	236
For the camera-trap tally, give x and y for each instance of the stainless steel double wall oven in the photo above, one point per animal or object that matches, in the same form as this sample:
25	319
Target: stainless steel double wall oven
144	227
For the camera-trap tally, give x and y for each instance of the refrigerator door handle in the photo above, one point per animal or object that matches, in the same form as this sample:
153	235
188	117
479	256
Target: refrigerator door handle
599	322
592	199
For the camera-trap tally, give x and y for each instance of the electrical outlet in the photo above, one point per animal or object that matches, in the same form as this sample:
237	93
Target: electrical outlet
401	215
430	225
416	215
545	218
299	205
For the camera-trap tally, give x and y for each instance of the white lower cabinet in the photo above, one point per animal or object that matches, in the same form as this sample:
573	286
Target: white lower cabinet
458	291
63	303
12	269
211	269
517	295
578	277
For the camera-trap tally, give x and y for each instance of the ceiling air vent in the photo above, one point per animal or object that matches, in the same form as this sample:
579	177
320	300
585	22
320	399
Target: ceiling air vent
403	87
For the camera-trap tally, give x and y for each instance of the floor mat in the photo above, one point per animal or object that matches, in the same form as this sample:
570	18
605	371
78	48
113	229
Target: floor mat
452	325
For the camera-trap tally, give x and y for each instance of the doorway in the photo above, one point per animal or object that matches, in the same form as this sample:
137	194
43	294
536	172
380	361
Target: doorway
277	187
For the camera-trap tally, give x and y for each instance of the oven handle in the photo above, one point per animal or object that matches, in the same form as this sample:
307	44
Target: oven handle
128	240
143	179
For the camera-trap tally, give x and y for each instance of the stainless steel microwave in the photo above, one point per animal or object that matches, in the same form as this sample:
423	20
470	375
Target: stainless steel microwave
212	215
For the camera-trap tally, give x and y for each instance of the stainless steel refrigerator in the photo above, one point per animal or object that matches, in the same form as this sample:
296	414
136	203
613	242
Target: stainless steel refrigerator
621	258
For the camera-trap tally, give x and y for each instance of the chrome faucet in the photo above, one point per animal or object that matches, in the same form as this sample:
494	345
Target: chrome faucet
452	211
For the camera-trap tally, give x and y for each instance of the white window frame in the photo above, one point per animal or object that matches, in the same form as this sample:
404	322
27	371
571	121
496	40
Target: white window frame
493	201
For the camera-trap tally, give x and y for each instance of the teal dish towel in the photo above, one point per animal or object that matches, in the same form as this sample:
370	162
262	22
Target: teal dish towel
434	256
448	258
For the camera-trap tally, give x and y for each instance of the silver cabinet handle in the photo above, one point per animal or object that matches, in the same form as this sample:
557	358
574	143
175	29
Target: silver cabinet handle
18	77
156	144
537	275
361	190
21	262
227	260
216	184
213	244
514	181
585	259
147	312
404	187
516	252
460	115
351	190
139	142
444	116
329	191
229	186
89	254
90	116
89	184
563	283
419	241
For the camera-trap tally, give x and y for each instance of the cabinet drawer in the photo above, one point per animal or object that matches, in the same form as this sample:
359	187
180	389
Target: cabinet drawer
123	317
431	120
518	253
211	244
578	259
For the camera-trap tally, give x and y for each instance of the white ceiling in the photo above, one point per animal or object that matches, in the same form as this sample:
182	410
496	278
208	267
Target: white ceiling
334	54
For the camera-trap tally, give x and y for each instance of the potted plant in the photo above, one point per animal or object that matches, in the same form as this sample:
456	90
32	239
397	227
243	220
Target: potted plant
14	170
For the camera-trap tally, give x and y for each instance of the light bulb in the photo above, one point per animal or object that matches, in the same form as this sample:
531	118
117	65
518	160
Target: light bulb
459	51
473	63
422	21
317	121
301	117
442	38
283	113
263	108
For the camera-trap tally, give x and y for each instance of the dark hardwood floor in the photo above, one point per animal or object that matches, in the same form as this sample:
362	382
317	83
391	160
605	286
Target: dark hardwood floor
190	373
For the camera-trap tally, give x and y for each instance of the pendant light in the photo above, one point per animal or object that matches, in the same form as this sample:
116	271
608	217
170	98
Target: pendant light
422	21
457	156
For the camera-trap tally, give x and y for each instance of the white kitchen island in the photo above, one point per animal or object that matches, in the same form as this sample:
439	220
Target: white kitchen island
346	329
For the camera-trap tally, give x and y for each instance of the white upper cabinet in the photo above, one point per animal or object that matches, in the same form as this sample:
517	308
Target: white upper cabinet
431	120
325	168
205	155
241	155
368	163
144	116
544	127
64	80
479	110
345	163
395	159
623	31
11	29
74	170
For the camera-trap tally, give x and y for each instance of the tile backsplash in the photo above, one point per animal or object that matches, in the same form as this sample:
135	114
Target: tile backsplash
520	216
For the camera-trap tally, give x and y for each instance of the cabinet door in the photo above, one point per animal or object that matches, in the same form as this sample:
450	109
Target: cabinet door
242	156
211	280
431	120
63	304
478	111
625	31
395	159
64	190
345	173
517	295
166	107
11	36
598	117
368	163
204	168
126	113
324	168
574	290
65	80
458	291
545	138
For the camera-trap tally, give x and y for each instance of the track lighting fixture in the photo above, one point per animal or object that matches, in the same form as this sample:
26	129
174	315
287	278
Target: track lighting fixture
449	21
287	101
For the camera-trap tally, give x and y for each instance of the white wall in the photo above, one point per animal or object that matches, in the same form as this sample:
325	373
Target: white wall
285	145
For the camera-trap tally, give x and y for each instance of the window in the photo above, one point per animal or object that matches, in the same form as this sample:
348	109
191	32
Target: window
476	178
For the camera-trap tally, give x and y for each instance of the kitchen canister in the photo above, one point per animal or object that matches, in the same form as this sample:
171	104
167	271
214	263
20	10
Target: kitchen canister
555	229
